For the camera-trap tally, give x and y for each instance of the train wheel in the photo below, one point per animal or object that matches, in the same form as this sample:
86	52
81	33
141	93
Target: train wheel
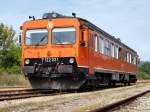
129	84
110	84
114	83
125	83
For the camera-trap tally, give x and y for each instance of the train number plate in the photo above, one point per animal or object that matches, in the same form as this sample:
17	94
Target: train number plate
50	60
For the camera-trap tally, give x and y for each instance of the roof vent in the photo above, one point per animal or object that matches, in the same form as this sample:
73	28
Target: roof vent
74	14
119	39
52	15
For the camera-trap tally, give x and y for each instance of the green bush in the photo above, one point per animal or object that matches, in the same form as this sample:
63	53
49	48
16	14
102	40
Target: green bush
10	58
144	71
14	69
10	53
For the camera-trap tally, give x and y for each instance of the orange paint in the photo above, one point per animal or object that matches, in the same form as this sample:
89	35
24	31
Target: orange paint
85	56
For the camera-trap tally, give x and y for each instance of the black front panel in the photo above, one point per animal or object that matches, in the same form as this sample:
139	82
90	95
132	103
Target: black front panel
52	67
49	66
50	61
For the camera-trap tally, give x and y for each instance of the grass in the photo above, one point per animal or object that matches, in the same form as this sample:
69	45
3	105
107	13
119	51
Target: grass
12	80
16	108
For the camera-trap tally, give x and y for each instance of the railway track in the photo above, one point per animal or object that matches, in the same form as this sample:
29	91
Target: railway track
11	93
116	105
25	93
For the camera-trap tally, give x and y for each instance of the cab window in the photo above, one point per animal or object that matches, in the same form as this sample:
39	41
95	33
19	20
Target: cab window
63	35
36	37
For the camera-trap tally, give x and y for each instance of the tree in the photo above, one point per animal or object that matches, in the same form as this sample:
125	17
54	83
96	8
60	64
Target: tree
10	54
144	70
6	37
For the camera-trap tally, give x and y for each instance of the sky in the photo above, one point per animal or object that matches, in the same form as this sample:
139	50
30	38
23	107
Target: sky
128	20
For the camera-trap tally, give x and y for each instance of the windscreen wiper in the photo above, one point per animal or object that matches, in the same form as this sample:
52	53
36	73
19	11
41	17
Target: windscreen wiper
43	38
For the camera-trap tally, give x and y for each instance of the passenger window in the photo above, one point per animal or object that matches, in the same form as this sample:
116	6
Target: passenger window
96	43
109	49
130	58
135	60
120	53
101	45
125	56
106	47
116	52
112	50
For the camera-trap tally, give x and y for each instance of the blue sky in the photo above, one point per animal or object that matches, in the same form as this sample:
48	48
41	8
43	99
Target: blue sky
128	20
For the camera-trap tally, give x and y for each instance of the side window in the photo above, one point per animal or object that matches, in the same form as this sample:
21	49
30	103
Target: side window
101	45
130	58
106	48
125	56
96	43
109	49
116	52
120	53
135	60
112	50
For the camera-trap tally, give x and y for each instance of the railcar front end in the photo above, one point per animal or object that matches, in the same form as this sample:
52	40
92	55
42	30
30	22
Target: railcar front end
50	53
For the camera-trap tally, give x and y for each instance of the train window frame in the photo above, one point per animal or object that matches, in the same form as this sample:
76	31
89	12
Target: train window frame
64	27
36	29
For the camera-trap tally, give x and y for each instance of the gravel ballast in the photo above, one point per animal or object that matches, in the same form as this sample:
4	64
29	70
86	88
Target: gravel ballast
75	102
141	104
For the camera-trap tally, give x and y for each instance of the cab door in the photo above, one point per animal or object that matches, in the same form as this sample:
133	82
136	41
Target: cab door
91	51
83	48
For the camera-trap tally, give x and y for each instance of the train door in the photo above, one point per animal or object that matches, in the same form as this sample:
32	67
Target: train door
83	50
91	51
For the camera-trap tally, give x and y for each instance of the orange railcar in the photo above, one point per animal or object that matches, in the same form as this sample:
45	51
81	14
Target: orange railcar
61	52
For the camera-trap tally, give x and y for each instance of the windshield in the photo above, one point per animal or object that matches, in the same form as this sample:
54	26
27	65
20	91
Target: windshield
63	35
36	37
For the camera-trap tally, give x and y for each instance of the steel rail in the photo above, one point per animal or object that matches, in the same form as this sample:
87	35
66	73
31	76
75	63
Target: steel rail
116	105
26	93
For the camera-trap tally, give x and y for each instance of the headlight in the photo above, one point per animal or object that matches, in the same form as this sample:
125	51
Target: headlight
71	60
27	61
